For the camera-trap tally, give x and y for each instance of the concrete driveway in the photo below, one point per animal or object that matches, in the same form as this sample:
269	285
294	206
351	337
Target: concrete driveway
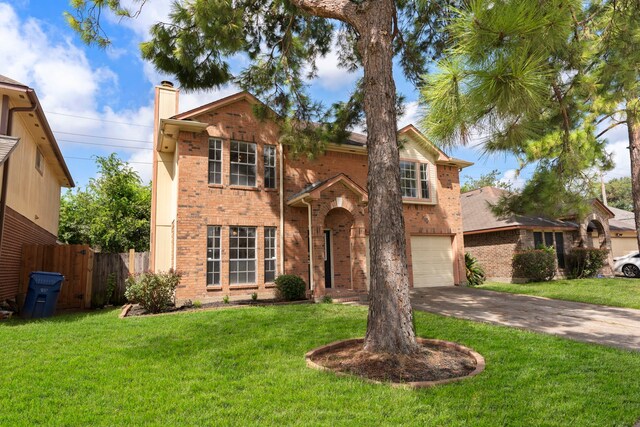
617	327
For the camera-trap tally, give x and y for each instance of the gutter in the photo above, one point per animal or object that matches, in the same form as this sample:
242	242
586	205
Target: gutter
311	282
281	150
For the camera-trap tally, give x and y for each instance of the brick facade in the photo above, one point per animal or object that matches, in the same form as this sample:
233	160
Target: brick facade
18	231
338	208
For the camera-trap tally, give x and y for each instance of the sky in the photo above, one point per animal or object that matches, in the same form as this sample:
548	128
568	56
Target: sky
101	101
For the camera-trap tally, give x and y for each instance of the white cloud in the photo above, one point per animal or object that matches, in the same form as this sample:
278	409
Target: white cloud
411	115
620	152
512	177
150	14
331	76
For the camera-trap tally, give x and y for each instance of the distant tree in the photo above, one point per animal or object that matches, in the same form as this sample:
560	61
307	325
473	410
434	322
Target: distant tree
486	180
112	213
619	193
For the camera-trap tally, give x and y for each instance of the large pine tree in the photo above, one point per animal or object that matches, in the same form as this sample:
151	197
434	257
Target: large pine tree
282	40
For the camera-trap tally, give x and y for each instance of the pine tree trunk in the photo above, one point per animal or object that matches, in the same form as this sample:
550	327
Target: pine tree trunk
390	324
634	152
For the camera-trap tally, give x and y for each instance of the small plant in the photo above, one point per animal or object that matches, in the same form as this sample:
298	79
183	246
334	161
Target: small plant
197	304
475	273
111	287
290	287
153	291
326	299
585	262
225	299
538	265
254	296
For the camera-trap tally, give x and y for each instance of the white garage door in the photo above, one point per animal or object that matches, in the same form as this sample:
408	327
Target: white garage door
432	259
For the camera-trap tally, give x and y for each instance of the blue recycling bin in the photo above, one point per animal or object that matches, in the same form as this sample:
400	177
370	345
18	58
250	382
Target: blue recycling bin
42	295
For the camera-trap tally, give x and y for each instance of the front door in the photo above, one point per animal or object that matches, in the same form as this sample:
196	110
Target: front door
328	273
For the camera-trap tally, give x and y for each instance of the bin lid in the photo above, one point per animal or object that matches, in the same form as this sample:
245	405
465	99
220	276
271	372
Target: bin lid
45	278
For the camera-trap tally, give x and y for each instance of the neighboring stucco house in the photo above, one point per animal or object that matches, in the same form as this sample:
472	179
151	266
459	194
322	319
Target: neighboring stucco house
232	209
32	171
623	232
493	241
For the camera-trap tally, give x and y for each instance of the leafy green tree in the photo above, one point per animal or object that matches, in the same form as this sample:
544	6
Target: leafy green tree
619	193
282	39
112	213
516	73
486	180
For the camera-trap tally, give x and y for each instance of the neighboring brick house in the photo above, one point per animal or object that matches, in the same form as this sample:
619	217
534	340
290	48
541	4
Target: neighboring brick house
232	209
32	171
493	241
623	232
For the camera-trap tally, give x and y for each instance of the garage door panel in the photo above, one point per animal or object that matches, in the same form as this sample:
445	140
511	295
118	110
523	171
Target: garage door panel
432	260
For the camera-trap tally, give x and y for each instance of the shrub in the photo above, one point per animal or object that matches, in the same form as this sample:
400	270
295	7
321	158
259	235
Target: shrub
254	296
197	304
538	265
225	299
585	262
290	287
326	299
153	291
475	273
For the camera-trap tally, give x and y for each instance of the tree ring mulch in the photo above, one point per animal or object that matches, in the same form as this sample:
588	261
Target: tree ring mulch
437	362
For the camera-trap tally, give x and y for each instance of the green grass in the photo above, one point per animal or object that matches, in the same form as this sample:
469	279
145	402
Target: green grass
246	367
613	292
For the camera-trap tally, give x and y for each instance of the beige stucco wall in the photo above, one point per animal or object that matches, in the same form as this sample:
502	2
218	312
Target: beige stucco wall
166	205
623	245
35	196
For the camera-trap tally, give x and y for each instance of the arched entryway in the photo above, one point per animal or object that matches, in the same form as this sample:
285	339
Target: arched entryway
338	226
596	237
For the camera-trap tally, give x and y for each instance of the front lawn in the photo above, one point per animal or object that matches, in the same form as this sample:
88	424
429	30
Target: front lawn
616	292
246	367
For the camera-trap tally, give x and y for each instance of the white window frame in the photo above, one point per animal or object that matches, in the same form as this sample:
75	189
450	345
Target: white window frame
39	161
414	179
268	160
241	164
211	161
271	244
236	259
214	242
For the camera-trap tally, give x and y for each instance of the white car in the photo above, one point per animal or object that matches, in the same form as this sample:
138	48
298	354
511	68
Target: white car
629	265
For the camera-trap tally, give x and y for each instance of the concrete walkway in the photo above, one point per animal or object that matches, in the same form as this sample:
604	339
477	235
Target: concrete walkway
617	327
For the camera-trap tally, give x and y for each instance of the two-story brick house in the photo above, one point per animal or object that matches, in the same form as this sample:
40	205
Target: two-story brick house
232	209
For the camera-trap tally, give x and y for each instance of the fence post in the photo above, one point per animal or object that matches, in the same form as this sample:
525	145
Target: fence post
132	262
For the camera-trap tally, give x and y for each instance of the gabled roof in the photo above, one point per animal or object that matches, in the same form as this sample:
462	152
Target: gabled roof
17	92
478	217
312	191
355	140
623	220
7	145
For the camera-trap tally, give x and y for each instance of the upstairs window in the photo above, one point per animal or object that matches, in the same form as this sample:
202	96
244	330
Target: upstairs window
424	180
39	161
215	161
269	166
269	254
243	163
408	179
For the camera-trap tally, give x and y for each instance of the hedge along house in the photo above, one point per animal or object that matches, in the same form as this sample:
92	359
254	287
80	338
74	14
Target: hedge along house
32	172
494	241
232	208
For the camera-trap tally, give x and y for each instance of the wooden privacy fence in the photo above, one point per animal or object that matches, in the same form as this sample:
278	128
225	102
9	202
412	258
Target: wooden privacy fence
110	272
89	277
74	262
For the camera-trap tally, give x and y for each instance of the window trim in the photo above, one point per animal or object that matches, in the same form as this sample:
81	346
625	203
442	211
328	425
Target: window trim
255	164
274	258
418	182
213	259
221	161
274	167
543	235
254	259
39	163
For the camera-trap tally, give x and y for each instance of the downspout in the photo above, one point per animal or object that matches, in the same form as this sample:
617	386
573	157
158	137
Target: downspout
5	170
311	284
281	149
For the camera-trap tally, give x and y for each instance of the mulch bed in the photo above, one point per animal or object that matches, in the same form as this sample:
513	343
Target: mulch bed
137	310
435	362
